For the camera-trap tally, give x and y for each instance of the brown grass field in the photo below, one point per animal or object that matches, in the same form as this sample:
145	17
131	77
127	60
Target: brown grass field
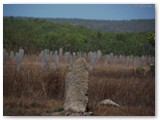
36	91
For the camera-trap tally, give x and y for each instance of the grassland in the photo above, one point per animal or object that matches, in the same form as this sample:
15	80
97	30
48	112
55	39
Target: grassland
36	91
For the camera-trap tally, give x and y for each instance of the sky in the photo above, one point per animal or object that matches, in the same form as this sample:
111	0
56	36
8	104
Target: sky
83	11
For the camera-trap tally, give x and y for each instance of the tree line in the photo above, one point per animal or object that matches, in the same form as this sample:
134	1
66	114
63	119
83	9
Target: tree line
34	35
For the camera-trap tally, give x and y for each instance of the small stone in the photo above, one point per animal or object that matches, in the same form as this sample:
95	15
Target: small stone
109	102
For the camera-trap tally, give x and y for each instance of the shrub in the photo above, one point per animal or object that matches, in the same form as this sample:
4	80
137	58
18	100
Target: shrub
58	109
140	70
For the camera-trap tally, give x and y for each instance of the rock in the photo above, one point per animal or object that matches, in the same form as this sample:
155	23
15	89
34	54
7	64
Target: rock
76	88
109	103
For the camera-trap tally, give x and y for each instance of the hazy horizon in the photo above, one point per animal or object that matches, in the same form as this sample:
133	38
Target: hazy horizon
82	11
78	18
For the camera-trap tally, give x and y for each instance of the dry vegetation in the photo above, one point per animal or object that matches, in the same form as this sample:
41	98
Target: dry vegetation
35	91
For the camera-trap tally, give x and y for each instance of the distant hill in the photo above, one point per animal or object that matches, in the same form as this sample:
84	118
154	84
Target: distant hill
112	26
145	25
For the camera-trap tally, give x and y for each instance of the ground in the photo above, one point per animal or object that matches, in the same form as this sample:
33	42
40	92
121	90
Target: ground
36	91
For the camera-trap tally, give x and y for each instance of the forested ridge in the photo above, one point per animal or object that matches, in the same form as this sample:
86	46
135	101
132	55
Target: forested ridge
34	35
113	25
140	25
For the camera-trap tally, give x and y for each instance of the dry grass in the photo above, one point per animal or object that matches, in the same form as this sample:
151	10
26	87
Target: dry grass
29	107
135	94
35	91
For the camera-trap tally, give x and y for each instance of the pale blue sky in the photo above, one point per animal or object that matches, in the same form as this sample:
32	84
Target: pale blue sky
83	11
